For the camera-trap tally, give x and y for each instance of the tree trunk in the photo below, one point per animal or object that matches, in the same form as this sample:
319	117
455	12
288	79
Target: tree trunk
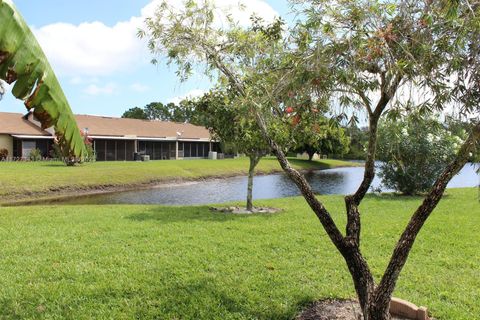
254	159
374	312
310	156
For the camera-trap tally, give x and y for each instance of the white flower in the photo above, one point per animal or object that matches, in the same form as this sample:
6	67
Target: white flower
430	137
404	132
457	139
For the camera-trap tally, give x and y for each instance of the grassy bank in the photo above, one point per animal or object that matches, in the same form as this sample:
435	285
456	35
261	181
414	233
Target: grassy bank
27	179
152	262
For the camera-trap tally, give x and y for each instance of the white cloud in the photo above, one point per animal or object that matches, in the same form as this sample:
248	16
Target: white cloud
196	93
91	49
95	49
95	90
138	87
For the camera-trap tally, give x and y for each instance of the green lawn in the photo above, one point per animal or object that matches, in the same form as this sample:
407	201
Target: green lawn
29	178
153	262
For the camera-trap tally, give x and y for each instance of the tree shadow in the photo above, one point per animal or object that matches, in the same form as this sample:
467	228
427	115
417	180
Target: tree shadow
201	298
205	297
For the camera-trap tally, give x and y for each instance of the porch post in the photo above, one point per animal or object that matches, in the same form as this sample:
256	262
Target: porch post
176	149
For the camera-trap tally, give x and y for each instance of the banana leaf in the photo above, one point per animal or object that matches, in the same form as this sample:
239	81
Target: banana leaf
23	62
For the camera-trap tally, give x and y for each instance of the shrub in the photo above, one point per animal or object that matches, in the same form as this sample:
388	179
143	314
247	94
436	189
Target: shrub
414	151
35	155
3	154
56	152
91	154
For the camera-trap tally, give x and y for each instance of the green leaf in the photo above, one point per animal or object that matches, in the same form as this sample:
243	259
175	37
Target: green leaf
22	61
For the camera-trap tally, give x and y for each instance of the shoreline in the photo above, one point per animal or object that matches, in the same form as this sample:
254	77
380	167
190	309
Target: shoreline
59	194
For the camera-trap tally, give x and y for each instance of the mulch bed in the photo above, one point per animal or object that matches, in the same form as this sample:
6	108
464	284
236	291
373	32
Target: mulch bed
242	210
334	310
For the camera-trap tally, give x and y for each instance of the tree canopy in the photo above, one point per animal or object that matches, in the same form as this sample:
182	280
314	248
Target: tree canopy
185	111
373	57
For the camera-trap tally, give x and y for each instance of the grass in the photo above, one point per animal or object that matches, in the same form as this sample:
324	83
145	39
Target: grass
28	178
154	262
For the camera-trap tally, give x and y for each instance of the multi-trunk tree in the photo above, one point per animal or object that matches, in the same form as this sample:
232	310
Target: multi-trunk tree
370	55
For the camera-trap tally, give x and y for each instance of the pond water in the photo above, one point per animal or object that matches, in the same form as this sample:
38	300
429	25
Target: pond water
332	181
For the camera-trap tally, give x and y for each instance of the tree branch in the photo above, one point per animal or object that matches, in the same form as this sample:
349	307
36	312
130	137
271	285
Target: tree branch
365	100
317	207
353	201
406	241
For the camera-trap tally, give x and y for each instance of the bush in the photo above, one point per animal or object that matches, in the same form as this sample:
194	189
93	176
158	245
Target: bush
3	154
414	152
56	152
35	155
91	154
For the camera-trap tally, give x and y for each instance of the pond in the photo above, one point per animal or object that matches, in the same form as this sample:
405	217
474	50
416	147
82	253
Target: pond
332	181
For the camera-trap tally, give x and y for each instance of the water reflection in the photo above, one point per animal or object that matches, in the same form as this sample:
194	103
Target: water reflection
333	181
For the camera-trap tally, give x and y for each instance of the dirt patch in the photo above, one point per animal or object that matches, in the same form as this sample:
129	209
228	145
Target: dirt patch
241	210
334	310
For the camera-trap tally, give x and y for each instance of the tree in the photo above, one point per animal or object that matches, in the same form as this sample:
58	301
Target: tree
414	150
183	112
358	142
224	121
460	127
135	113
325	138
23	62
359	53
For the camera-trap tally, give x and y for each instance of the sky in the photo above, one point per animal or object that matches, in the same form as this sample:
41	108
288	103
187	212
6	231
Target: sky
102	66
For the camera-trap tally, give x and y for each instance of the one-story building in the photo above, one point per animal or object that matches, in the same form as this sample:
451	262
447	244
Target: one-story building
113	139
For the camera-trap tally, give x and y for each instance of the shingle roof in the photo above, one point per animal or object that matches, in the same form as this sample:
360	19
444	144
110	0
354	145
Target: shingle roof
109	126
13	123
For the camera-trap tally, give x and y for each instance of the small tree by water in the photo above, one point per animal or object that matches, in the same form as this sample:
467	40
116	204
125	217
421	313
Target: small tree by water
414	150
234	129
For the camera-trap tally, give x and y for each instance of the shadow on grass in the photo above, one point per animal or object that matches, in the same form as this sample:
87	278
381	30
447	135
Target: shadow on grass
205	298
202	299
184	214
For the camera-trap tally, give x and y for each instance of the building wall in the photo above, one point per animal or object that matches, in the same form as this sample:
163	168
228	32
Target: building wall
6	142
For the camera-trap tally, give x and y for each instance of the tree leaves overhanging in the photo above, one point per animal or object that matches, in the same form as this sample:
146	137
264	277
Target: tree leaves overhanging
23	62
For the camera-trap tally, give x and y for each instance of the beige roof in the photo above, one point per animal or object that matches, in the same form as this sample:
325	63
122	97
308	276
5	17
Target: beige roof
13	123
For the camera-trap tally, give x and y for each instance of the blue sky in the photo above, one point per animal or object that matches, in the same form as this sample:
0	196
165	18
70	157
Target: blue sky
103	68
